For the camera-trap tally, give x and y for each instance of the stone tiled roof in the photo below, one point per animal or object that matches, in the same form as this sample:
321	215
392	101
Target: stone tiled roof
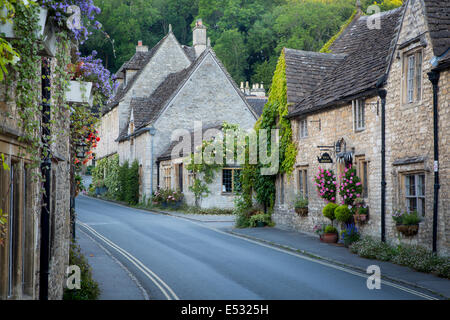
190	52
305	69
257	103
438	18
167	154
120	74
368	56
140	59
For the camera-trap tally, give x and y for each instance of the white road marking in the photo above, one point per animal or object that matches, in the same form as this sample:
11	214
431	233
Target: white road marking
162	286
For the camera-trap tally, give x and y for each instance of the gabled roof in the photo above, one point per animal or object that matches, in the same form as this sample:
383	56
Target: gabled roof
139	60
148	109
305	69
438	17
167	154
368	53
257	103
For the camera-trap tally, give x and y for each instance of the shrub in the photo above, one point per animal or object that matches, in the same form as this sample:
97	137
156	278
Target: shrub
330	229
328	211
132	190
301	202
123	184
89	287
343	213
370	248
260	217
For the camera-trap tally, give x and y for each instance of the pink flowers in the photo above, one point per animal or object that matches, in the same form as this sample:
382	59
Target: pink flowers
325	181
351	187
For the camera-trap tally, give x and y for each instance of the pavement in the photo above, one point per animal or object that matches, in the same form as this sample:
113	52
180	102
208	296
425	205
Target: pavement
116	282
175	257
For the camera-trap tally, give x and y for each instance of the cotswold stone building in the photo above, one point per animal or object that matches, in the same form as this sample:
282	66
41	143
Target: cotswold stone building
22	200
164	89
339	111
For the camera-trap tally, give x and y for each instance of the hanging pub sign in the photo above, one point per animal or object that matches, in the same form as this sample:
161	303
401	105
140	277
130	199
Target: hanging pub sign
325	158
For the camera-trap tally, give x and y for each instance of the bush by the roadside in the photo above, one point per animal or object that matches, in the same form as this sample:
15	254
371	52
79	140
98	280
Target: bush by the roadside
89	287
413	256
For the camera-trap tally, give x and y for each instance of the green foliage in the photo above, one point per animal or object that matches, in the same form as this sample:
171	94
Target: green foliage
89	287
326	47
301	202
402	217
123	181
413	256
330	229
343	213
350	235
112	181
328	211
325	181
260	217
132	189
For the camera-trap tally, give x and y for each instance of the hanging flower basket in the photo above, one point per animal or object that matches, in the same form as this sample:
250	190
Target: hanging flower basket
8	27
303	212
80	92
408	230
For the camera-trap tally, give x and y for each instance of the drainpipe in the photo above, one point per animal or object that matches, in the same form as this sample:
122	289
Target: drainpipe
433	76
45	169
382	94
152	132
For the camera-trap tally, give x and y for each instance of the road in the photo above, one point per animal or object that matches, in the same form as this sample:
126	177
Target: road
174	258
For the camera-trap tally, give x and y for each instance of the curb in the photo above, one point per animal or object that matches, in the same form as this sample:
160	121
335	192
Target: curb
339	263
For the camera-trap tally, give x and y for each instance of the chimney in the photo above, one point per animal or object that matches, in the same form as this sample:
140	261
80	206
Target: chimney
242	86
199	38
247	88
141	48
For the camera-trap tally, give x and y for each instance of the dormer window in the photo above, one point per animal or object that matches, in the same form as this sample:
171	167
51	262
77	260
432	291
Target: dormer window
412	77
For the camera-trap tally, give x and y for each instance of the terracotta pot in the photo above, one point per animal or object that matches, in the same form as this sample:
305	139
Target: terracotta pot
408	230
360	218
330	237
302	211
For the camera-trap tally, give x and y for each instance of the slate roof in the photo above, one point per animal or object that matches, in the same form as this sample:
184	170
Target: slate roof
438	18
139	60
368	53
147	109
257	103
305	69
167	154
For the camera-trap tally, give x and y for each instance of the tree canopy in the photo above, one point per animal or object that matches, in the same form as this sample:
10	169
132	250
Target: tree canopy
247	35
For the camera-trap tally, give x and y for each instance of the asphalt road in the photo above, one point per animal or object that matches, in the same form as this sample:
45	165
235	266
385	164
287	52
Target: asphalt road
174	258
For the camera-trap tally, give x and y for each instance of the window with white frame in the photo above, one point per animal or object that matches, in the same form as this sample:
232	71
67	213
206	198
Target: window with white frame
359	114
412	76
415	193
303	128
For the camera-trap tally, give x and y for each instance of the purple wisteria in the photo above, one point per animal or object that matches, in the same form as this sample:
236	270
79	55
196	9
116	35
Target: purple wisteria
92	69
88	12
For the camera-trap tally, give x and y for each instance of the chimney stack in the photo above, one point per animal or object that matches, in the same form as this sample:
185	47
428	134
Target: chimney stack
199	38
141	48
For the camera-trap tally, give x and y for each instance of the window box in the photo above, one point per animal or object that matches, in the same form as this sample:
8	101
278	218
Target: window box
303	212
80	92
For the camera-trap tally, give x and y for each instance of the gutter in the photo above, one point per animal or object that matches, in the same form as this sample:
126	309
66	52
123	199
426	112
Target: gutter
433	76
46	170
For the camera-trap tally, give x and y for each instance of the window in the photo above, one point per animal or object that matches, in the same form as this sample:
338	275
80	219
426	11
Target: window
303	183
303	128
412	76
167	176
231	180
282	189
359	114
362	167
415	193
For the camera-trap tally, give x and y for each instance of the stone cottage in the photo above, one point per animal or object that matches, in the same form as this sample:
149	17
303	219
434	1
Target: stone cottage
23	202
163	89
339	111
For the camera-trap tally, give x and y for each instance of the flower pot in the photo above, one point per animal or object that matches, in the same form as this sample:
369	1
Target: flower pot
330	237
303	212
360	218
408	230
260	224
80	92
8	27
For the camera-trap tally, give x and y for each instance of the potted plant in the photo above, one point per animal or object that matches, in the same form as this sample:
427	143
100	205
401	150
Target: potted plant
330	234
260	220
301	206
407	223
349	235
8	26
361	211
320	230
343	213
